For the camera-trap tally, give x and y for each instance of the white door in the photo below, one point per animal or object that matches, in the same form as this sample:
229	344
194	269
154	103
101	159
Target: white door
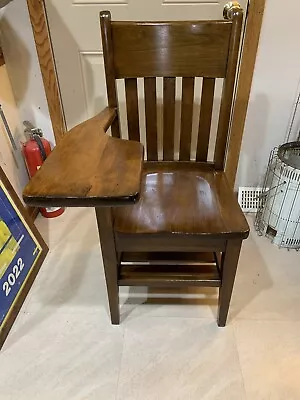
75	34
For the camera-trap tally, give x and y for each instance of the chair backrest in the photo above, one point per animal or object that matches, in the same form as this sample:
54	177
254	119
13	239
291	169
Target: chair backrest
187	49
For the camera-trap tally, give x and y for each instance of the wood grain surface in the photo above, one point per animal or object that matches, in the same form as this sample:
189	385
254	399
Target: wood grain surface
108	55
109	254
145	49
89	168
230	261
180	201
44	50
206	109
187	106
252	35
132	107
169	86
166	275
227	94
151	118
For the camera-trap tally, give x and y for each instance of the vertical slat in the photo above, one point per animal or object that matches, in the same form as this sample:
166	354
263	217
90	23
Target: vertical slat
105	21
169	118
186	118
207	101
132	109
151	118
227	95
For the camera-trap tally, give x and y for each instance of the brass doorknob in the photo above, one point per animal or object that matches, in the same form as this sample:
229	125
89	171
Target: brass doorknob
231	7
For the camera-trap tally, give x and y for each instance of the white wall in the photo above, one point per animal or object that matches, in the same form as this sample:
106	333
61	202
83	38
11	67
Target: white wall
23	66
11	161
274	89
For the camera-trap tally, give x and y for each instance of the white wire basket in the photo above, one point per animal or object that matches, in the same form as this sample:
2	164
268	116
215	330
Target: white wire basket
278	215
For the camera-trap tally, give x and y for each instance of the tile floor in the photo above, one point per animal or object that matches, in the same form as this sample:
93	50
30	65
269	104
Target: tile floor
168	346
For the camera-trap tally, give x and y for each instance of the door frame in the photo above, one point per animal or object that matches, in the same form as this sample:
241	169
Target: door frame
250	44
41	33
39	21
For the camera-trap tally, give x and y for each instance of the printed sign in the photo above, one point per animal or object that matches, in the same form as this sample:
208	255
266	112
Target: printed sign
19	252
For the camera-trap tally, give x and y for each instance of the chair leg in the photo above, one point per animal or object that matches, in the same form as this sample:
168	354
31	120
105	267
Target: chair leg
110	261
229	266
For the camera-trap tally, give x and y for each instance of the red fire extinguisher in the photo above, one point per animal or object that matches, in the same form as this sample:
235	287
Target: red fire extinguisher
35	152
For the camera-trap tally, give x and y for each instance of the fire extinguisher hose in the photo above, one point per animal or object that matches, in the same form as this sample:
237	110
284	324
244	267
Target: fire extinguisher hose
41	146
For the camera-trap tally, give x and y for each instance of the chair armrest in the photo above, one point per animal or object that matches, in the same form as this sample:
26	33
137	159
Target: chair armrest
88	168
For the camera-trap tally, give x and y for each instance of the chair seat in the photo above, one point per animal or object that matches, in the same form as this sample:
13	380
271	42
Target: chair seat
183	199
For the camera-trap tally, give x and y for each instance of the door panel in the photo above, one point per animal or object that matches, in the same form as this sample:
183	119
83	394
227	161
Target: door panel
75	34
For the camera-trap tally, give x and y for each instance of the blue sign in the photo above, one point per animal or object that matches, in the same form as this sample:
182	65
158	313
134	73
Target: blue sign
19	251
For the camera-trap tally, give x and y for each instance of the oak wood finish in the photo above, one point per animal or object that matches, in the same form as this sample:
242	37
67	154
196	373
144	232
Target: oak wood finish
164	276
229	266
132	109
184	206
162	49
106	35
228	87
41	34
186	118
167	45
167	242
169	269
169	118
207	100
110	262
252	35
164	166
171	202
165	258
151	118
89	168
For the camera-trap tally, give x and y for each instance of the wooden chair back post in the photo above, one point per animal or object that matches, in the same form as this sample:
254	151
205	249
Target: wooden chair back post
185	49
109	68
228	88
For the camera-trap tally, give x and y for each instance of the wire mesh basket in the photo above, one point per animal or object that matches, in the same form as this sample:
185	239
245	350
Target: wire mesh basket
278	215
